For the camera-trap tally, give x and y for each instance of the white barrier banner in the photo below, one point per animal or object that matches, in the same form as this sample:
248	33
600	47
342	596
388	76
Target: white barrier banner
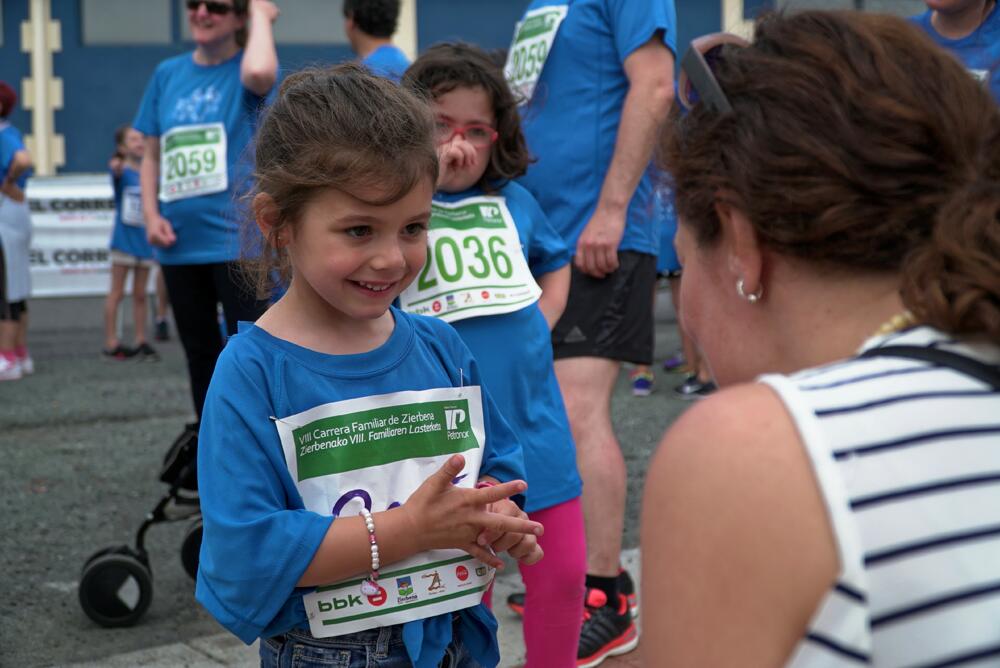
71	219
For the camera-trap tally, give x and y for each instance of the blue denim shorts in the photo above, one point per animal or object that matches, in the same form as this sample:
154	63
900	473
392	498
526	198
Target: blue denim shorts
375	648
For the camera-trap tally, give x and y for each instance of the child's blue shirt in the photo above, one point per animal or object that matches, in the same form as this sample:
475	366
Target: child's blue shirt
11	142
128	234
514	352
258	537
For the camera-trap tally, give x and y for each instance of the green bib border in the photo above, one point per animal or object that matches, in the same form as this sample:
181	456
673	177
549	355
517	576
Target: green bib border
402	571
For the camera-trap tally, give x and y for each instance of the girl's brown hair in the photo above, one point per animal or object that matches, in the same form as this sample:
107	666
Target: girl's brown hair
445	67
341	128
120	133
858	145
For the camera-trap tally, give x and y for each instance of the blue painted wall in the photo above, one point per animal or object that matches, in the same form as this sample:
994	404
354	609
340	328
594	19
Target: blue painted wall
15	65
103	85
488	23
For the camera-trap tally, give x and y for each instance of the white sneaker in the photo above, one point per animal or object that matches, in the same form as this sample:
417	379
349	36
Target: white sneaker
9	370
27	365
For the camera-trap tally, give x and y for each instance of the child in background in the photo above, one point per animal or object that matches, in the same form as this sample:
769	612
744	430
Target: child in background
15	242
130	251
342	440
499	273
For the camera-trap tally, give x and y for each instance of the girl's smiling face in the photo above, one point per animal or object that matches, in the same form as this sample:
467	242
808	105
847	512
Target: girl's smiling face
459	108
353	258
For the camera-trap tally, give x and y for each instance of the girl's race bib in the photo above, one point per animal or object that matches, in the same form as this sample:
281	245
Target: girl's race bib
475	265
375	452
132	206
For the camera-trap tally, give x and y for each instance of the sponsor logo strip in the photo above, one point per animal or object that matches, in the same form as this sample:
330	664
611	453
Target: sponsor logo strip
408	606
403	571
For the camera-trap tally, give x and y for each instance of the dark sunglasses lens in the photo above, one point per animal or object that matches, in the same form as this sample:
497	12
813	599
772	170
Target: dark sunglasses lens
218	8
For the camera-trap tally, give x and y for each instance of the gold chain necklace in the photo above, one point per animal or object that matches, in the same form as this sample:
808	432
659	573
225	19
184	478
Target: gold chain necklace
898	322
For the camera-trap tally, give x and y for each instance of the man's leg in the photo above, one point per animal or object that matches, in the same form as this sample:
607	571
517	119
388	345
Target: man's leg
586	384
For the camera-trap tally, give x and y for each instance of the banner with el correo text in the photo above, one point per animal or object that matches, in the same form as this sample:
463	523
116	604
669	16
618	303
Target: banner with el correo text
71	218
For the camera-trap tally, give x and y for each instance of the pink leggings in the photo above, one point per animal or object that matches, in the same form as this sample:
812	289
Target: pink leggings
553	602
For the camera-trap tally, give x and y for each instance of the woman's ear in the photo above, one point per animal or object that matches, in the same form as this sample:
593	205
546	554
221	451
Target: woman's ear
744	257
265	212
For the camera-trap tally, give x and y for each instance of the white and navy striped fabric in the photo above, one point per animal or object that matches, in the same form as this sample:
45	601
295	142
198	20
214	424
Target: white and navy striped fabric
907	455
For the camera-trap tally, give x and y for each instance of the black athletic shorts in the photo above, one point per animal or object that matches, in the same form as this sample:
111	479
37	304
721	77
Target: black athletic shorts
610	317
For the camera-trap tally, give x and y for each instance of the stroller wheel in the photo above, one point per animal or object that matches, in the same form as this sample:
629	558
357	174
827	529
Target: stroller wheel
116	589
190	549
117	549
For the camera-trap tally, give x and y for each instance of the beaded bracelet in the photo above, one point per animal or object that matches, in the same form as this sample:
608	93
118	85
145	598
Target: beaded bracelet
369	586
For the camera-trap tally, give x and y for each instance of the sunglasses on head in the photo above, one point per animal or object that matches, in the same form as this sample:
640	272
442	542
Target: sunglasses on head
697	83
217	8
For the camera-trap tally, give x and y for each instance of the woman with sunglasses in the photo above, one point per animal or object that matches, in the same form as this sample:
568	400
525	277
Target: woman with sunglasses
198	114
837	502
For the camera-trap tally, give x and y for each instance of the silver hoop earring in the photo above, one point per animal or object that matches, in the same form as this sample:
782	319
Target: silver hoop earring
751	298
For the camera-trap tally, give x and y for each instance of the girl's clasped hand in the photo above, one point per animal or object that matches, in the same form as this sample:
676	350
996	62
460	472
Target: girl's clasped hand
484	522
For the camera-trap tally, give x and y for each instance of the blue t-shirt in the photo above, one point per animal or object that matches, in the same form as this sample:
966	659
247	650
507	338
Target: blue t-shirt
258	537
571	122
181	93
128	238
979	52
10	143
387	61
514	352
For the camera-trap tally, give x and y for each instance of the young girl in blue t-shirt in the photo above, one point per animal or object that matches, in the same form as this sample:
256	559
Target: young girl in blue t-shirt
354	472
130	250
499	273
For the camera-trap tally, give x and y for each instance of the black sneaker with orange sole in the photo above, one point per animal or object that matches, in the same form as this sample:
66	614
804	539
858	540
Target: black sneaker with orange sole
625	585
119	353
608	630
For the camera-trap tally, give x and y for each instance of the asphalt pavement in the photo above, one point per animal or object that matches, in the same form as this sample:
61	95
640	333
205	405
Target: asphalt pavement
81	443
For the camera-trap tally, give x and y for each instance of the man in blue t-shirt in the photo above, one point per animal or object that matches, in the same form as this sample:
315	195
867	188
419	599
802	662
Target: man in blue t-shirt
971	30
369	25
596	77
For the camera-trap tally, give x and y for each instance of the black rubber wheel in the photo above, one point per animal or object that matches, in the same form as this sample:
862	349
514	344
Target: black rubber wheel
191	548
116	590
116	549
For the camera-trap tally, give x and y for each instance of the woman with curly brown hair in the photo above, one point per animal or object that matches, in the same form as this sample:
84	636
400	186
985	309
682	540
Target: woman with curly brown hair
838	501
